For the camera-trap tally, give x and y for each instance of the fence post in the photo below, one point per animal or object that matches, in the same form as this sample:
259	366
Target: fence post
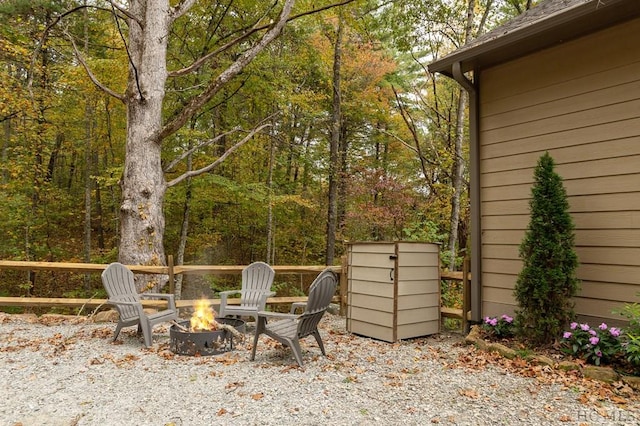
466	294
343	287
172	283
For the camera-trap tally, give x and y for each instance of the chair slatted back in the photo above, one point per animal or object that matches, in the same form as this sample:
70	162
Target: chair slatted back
257	279
119	282
321	292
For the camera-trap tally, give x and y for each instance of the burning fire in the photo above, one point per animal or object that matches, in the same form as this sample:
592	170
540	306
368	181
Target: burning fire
203	317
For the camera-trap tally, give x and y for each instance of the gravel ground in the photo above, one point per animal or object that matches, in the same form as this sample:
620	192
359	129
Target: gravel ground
67	371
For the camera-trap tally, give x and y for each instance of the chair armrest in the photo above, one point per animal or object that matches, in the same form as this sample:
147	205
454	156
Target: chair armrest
225	294
296	305
156	296
116	301
264	297
170	298
268	314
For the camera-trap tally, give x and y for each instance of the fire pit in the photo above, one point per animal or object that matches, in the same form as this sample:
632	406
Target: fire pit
204	334
203	342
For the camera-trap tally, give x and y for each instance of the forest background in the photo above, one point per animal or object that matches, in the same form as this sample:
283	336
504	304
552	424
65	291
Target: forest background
334	133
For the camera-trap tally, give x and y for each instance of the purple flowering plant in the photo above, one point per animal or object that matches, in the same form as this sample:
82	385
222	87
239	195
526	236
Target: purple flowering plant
595	345
499	327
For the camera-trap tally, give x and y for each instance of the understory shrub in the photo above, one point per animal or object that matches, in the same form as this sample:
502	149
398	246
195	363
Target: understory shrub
631	336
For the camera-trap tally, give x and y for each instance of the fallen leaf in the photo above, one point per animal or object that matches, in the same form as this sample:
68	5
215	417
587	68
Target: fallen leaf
469	393
602	411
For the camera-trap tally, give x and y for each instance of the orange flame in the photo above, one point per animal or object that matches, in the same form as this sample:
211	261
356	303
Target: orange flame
203	317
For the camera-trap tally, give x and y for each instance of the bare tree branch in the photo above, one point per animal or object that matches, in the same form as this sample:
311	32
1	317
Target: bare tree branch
126	13
234	69
249	31
126	47
55	22
197	147
90	73
223	157
40	43
399	139
406	116
181	8
203	59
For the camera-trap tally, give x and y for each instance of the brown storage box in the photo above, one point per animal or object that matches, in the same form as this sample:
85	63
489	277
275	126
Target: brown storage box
393	289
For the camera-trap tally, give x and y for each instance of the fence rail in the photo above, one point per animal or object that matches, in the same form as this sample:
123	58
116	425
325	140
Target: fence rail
171	270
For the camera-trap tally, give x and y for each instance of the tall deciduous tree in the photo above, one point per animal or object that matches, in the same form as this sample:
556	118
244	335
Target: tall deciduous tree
334	144
143	184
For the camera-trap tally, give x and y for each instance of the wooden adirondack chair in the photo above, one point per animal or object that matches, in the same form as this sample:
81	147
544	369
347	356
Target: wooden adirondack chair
119	283
257	279
288	329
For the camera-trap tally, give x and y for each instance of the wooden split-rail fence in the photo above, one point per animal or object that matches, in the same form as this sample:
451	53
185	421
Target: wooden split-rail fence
172	270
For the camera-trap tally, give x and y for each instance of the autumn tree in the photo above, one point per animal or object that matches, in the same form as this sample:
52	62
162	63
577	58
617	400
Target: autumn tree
146	28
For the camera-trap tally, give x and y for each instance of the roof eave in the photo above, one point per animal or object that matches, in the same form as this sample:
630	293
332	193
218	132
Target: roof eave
573	23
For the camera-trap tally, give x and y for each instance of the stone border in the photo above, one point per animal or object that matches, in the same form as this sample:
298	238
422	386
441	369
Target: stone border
603	374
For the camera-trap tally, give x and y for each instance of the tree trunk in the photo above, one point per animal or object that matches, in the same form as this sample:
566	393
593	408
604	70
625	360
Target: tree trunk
457	172
334	167
184	229
270	225
87	192
5	149
88	118
143	184
341	202
458	164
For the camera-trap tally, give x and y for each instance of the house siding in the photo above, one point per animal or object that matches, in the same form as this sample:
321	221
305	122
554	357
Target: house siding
580	101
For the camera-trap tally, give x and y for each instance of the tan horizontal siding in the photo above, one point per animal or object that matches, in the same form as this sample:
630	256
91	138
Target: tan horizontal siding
584	203
586	237
574	187
498	280
608	238
609	291
492	309
551	109
573	88
507	207
611	113
610	255
502	266
502	237
594	309
500	251
618	156
607	220
566	62
615	146
519	221
605	202
597	307
585	111
582	220
618	274
498	295
601	300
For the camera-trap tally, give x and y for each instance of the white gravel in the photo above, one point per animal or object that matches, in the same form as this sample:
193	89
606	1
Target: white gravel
69	372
